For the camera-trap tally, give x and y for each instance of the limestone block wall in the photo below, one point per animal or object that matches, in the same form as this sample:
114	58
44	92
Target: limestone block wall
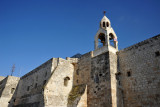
139	67
83	70
99	87
81	78
7	90
59	85
30	89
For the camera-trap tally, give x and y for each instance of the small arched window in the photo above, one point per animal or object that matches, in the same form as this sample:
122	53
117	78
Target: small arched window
103	24
66	80
12	90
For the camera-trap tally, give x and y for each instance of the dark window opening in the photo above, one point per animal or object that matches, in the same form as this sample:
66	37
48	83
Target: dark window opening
157	53
44	82
107	24
66	80
12	90
100	75
112	40
28	88
128	73
103	24
101	40
77	81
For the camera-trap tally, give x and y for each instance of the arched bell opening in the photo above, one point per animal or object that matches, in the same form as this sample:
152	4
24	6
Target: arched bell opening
112	40
107	24
101	40
104	24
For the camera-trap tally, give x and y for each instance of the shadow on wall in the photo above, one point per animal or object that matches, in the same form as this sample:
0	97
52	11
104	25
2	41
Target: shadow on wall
75	97
30	89
2	83
33	95
22	101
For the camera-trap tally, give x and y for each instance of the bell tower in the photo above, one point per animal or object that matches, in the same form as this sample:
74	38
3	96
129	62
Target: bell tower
106	37
102	85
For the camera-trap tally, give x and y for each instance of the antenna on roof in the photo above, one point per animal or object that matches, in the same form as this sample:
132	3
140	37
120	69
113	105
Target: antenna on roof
13	69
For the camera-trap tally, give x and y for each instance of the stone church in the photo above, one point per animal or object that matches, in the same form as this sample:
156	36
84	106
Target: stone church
104	77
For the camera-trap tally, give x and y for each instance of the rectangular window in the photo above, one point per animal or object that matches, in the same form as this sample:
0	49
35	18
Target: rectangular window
128	73
157	53
28	88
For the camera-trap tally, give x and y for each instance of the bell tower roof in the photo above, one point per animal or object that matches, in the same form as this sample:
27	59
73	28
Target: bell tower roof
105	19
105	22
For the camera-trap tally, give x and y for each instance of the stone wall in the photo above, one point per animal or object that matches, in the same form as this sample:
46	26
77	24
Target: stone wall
139	74
99	87
53	84
7	90
59	85
30	89
83	70
78	94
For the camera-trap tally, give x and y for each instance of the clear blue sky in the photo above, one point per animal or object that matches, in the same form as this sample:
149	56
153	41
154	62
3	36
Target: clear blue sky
33	31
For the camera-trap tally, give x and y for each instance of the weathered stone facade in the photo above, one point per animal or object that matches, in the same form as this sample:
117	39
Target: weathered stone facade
104	77
7	90
139	66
